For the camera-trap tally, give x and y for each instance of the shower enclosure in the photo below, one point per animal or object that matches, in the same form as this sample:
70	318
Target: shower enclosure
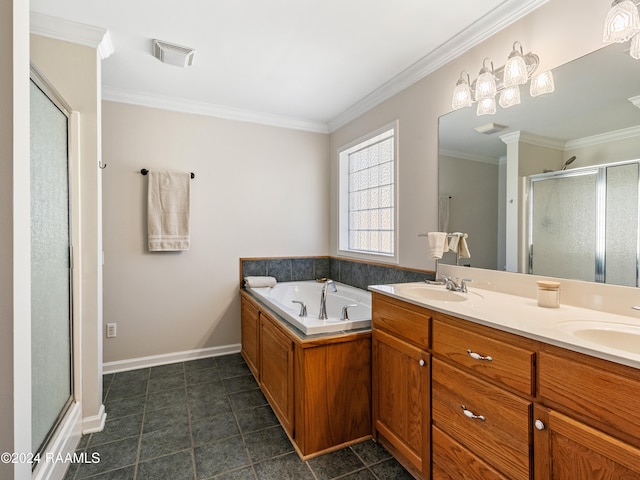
583	223
51	325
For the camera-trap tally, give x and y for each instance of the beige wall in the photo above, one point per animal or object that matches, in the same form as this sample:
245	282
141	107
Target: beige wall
74	71
558	32
258	191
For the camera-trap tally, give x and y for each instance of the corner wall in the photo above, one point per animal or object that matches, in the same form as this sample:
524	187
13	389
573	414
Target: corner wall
258	191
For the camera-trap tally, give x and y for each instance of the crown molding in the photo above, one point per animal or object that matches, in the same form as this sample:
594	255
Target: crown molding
74	32
615	136
532	139
210	110
499	18
469	156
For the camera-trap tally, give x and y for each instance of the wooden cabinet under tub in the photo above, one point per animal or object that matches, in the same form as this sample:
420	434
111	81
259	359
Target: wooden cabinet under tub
318	386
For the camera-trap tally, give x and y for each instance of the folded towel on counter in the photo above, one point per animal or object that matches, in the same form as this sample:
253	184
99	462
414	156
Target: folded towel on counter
259	282
458	244
436	244
168	211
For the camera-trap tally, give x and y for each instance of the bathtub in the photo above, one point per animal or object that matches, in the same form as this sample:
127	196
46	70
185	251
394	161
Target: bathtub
280	299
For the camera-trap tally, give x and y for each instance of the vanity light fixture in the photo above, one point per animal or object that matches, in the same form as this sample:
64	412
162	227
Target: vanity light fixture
541	84
623	23
486	84
515	70
505	80
462	93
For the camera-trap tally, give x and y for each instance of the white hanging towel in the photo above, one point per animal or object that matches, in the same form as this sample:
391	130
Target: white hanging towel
169	211
436	244
458	244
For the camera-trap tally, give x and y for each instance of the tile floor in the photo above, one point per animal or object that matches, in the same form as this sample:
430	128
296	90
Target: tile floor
207	419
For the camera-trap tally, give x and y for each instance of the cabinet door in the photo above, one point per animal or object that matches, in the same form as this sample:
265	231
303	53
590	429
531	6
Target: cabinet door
401	398
249	325
276	370
566	449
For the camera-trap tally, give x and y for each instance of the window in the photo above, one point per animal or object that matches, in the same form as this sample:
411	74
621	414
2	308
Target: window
368	196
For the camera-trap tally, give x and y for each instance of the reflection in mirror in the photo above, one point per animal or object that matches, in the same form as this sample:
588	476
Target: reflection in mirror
593	115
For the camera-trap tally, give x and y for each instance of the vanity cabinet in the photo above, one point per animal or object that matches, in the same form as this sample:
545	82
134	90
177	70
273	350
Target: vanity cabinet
401	381
567	449
482	383
496	405
318	386
590	421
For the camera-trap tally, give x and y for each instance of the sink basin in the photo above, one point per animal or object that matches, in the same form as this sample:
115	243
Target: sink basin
430	292
619	336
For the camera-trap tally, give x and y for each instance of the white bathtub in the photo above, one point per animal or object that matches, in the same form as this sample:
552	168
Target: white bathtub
280	298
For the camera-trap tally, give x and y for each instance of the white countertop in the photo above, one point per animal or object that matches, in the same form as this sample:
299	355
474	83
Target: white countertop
522	316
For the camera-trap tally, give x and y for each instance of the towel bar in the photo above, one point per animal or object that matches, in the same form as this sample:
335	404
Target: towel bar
144	171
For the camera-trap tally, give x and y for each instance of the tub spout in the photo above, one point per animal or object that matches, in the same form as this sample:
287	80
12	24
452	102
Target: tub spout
323	299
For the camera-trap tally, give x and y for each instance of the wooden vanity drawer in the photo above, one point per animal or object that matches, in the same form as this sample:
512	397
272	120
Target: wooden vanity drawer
594	390
500	437
452	461
478	348
403	319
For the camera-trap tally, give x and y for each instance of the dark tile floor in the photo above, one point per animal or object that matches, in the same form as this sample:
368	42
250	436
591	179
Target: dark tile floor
207	419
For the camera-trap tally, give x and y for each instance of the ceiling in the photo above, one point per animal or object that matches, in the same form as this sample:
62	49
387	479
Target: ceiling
307	64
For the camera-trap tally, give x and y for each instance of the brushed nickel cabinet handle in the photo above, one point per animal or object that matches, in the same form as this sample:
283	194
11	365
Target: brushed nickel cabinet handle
477	356
421	363
472	415
539	424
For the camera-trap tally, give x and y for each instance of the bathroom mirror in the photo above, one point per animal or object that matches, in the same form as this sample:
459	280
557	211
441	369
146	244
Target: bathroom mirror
594	115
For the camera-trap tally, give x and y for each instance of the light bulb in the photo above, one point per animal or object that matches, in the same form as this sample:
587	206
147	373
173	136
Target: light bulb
486	83
486	106
509	97
622	22
515	70
461	93
541	84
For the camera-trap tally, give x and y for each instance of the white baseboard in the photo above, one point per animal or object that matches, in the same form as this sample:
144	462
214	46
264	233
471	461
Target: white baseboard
94	423
176	357
52	464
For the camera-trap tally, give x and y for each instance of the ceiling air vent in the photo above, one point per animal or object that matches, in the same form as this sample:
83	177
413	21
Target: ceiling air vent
172	54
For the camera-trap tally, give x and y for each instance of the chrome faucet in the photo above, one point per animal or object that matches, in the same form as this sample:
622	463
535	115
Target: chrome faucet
323	299
450	284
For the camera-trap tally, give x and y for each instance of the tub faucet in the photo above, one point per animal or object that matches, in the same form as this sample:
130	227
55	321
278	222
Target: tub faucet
323	299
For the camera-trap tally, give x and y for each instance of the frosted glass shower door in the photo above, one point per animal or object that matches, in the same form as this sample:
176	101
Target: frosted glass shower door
621	252
51	352
564	226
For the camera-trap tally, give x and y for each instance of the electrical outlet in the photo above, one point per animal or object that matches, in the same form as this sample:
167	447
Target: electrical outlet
111	330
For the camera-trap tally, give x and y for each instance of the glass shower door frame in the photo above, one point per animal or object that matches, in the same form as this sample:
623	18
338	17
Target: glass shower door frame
41	83
601	213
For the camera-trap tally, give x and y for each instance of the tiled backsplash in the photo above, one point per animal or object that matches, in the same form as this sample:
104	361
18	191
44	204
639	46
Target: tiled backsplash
356	274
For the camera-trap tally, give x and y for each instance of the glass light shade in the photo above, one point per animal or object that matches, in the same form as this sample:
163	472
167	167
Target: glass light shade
542	83
515	70
622	22
635	47
509	97
486	106
486	85
461	95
